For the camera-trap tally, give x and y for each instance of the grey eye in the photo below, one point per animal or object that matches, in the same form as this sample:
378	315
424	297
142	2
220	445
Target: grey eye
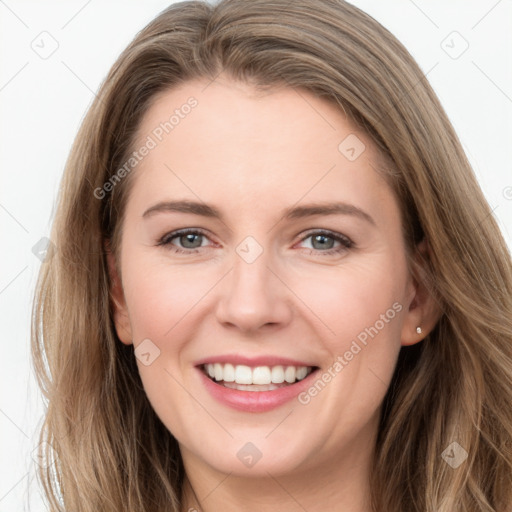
190	240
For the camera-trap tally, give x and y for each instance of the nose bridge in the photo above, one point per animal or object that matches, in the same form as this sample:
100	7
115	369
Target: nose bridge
252	295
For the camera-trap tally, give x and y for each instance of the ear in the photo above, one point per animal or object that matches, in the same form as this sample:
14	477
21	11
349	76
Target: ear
120	311
424	309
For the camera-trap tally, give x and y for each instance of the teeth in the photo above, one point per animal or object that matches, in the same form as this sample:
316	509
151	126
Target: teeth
302	372
228	373
251	387
243	375
217	370
277	374
260	375
289	374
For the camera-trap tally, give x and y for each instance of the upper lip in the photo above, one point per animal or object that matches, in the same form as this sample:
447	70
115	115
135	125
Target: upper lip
269	360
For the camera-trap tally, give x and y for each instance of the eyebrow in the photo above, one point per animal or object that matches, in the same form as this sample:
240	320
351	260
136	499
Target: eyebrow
296	212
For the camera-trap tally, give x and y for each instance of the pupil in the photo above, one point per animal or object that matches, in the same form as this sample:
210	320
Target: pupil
319	238
189	239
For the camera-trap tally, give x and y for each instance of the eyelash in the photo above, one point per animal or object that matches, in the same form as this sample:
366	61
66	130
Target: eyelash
346	243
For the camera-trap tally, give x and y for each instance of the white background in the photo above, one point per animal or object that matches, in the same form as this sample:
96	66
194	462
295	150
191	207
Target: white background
43	101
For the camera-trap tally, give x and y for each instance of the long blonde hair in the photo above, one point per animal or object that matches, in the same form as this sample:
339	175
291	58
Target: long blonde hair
106	449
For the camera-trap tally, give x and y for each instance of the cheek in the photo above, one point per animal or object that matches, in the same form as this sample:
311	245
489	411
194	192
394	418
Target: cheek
161	297
166	304
360	314
362	302
359	317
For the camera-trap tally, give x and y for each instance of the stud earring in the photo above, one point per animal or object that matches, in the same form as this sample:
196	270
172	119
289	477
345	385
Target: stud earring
418	330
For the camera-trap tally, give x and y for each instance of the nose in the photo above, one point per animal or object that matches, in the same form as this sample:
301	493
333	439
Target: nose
254	296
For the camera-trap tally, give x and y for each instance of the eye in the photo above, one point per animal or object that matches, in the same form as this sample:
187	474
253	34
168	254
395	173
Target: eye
323	241
189	239
192	239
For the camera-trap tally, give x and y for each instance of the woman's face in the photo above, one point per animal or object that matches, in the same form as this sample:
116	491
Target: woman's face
293	267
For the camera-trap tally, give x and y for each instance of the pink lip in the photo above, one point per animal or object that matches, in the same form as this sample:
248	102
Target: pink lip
255	401
251	361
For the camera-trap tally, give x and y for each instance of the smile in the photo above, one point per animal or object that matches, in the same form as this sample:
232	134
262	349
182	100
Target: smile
257	388
259	378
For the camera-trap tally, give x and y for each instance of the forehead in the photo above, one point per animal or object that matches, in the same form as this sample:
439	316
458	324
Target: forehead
225	110
225	140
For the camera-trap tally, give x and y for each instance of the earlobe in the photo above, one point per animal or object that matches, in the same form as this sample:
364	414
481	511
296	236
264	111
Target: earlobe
118	302
424	310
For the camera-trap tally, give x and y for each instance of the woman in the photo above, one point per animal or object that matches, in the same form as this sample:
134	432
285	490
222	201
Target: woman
277	283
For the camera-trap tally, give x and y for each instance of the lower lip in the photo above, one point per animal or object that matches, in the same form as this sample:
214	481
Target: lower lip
255	401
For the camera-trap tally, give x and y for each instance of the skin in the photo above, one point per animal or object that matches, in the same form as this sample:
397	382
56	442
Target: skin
252	155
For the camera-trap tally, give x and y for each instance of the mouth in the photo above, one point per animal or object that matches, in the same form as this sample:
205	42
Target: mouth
257	378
